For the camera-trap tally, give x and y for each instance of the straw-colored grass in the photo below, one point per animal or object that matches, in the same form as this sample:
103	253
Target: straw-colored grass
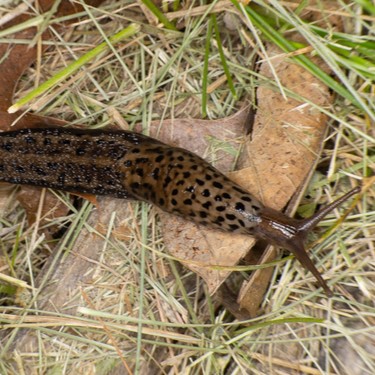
144	313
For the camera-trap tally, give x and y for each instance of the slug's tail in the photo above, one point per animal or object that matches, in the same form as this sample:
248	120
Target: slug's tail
291	233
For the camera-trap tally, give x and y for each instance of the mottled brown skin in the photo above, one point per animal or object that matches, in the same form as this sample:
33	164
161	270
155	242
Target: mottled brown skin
129	165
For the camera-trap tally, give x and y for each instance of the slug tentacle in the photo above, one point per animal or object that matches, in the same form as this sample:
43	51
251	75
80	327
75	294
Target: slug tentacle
291	234
128	165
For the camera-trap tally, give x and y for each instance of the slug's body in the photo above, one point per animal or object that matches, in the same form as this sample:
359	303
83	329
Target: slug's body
129	165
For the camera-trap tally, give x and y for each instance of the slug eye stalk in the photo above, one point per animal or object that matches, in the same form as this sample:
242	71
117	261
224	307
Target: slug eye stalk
291	234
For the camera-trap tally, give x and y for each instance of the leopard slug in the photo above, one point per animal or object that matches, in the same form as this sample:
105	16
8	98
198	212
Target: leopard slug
124	164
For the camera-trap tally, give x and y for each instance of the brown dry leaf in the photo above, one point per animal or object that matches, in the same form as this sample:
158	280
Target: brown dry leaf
51	208
287	134
286	142
200	249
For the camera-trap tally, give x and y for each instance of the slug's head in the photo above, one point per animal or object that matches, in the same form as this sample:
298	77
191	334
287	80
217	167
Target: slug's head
291	234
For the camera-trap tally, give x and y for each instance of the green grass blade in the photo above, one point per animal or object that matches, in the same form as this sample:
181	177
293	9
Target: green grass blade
267	25
73	67
222	56
287	46
159	14
368	5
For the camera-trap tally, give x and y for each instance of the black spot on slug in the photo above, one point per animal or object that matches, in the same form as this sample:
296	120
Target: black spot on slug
167	181
80	151
134	185
241	222
207	205
159	158
239	206
155	173
139	172
199	181
206	193
19	169
203	214
53	165
233	226
217	185
40	171
30	139
246	198
7	146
